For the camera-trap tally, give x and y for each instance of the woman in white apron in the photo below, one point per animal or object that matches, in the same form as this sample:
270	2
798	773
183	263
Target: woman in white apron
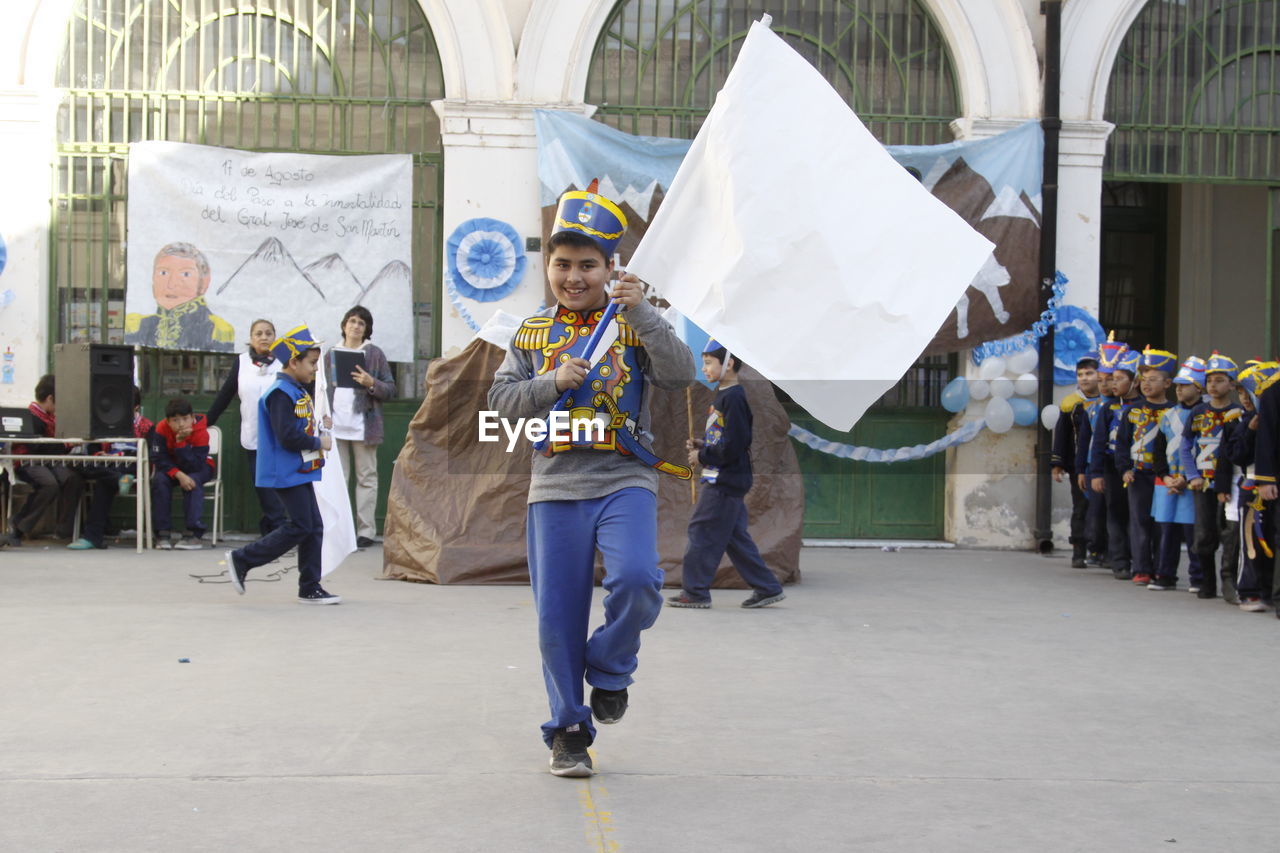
250	376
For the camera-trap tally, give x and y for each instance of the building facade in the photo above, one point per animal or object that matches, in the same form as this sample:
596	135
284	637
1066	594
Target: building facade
1168	208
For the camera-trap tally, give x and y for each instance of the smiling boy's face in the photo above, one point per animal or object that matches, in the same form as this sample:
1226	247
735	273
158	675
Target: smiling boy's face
176	280
578	275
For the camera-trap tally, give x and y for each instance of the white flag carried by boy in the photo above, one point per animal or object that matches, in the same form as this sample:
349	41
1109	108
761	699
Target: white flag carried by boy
769	240
331	493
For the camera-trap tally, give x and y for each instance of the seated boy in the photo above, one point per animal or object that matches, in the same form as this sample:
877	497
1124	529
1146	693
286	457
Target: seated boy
180	456
719	521
50	483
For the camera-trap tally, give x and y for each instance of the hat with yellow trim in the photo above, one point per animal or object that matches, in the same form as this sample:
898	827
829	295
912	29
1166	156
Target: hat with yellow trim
591	214
1191	372
1158	359
1258	376
1128	362
1110	352
294	344
1219	363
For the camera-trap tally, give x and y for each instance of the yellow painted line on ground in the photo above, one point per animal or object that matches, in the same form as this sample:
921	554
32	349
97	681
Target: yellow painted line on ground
594	798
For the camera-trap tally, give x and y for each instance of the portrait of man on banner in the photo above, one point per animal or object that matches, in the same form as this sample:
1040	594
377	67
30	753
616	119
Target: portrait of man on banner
180	277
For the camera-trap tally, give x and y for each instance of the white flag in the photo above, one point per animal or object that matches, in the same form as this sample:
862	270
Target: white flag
793	238
331	494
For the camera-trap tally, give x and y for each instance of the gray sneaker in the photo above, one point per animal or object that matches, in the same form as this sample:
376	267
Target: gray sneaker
190	543
759	599
569	756
164	542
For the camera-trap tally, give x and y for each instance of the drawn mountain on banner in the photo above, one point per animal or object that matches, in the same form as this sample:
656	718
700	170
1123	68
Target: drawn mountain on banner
269	269
392	277
335	280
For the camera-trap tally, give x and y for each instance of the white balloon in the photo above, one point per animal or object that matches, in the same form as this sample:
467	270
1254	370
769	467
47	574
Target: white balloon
1026	384
992	367
1049	415
979	389
1002	387
1024	361
999	415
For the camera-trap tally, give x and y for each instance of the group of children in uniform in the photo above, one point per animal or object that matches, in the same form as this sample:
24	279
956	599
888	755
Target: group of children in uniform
1150	476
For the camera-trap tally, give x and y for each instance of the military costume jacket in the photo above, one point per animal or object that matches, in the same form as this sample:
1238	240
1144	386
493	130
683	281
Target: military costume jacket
1203	439
616	394
1136	435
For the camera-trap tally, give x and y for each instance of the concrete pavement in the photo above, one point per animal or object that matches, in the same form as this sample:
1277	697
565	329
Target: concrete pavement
931	701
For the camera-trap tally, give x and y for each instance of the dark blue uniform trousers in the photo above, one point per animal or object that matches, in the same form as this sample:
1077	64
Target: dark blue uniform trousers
162	486
719	525
1117	500
1144	539
563	537
303	528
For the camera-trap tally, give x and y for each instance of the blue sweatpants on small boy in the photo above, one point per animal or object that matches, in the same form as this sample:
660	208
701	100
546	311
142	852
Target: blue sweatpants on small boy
563	537
718	527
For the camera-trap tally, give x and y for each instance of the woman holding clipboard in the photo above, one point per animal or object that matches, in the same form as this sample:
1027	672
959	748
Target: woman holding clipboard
361	380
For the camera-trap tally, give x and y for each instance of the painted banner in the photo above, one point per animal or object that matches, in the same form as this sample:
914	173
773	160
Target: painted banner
219	238
993	183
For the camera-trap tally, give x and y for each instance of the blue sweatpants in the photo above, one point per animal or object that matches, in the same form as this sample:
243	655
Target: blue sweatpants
563	537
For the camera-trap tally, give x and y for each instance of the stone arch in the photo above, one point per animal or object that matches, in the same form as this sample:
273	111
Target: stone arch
994	57
1092	31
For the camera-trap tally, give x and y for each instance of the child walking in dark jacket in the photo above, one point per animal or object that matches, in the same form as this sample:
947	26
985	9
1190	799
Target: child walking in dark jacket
719	522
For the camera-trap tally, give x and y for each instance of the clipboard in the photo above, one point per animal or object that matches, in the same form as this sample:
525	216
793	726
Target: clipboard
345	361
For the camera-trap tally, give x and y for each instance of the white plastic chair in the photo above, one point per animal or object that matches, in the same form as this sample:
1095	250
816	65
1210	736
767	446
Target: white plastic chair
213	488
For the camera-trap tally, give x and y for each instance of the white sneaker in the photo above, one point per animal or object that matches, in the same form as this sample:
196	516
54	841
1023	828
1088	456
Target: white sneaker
1253	605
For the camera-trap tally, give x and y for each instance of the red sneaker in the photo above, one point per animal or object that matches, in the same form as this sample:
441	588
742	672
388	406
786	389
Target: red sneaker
1142	579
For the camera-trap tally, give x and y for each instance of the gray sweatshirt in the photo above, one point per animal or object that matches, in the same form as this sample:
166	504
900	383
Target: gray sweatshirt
582	474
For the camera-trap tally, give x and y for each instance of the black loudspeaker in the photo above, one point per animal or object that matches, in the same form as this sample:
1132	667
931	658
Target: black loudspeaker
94	390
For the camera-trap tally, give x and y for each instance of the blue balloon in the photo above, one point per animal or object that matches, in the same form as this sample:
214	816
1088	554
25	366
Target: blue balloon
1024	411
956	395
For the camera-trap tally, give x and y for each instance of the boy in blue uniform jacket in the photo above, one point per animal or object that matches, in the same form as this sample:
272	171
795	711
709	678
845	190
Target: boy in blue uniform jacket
719	521
1211	478
1139	423
1122	363
290	445
1257	573
591	492
1172	505
1067	463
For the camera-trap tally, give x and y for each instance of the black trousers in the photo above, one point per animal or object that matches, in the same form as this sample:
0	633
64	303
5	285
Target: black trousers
1143	539
1079	517
303	528
1211	532
1257	573
1117	502
106	485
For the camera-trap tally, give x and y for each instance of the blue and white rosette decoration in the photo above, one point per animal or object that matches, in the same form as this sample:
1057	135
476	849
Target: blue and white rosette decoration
486	263
1075	333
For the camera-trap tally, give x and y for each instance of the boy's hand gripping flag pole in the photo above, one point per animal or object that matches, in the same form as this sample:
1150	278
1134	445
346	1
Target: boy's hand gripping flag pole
792	237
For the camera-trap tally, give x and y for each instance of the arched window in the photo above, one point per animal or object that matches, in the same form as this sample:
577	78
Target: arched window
659	63
322	76
1195	93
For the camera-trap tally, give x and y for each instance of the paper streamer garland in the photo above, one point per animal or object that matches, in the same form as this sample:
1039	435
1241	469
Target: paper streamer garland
486	261
4	253
1037	331
967	432
456	301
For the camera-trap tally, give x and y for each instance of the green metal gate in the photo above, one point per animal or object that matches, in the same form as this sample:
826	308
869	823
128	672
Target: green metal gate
656	69
312	76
